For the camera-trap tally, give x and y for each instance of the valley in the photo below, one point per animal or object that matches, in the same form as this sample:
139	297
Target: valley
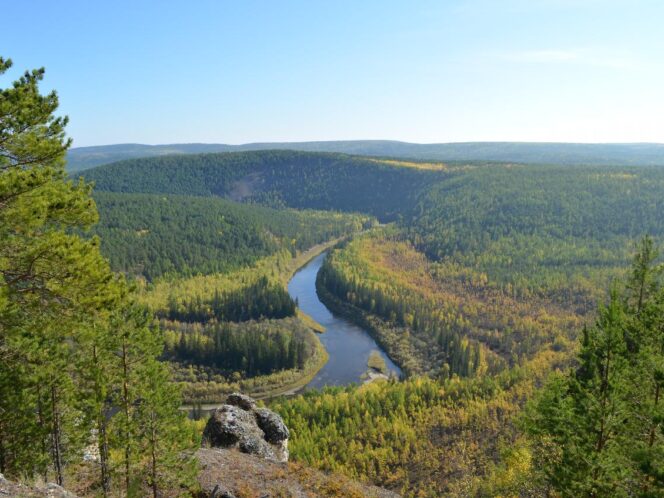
332	249
471	283
477	289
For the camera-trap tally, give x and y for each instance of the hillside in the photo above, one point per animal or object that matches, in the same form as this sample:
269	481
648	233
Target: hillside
157	235
81	158
275	178
212	271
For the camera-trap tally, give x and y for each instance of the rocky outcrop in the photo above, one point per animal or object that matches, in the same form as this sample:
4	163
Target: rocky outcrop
245	453
50	490
239	424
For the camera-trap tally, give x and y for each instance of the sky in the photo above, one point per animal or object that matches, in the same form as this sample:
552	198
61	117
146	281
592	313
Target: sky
222	71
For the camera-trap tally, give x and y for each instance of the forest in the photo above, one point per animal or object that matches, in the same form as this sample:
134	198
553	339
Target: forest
324	181
253	356
592	430
524	303
547	231
168	235
215	263
479	288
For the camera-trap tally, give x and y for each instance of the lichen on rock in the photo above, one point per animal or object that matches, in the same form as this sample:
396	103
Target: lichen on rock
241	425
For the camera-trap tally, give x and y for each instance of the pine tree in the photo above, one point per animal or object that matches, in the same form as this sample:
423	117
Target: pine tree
598	430
149	425
645	300
51	280
72	344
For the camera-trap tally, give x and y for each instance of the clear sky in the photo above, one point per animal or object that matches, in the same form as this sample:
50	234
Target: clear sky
236	71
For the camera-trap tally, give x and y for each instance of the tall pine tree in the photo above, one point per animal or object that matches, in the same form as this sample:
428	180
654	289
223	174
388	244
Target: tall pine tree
68	329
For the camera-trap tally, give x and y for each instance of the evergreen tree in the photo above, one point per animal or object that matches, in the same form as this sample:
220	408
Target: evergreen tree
597	431
51	280
70	338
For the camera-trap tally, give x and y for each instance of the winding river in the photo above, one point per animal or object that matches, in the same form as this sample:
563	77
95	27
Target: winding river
347	344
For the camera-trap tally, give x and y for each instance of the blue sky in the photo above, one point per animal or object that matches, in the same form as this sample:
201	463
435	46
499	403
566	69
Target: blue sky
423	71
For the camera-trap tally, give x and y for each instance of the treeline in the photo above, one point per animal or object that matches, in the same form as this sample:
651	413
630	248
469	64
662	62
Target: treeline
169	235
451	354
257	348
256	357
279	178
260	299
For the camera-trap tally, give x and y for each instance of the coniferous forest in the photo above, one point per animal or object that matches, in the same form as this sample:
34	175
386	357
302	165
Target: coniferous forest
523	304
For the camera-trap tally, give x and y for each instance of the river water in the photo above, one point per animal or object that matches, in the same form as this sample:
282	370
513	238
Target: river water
347	344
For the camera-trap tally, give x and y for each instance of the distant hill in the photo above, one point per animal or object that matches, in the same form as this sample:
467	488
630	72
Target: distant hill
523	152
277	178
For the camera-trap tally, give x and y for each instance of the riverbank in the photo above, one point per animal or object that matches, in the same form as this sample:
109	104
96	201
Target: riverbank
299	262
349	346
268	389
357	316
342	351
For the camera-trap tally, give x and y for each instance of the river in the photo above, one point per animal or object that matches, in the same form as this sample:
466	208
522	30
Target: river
347	344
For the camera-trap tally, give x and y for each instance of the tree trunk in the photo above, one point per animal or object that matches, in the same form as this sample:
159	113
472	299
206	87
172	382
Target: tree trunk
42	423
153	454
56	440
653	427
125	394
102	437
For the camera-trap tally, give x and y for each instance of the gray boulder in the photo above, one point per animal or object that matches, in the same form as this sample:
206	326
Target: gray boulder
241	400
272	425
238	424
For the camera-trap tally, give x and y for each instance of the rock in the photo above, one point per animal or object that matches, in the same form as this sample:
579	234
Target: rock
238	424
220	491
276	432
241	400
272	425
54	491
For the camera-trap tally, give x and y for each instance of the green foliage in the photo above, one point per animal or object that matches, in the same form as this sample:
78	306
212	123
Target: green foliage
254	348
542	231
60	372
597	430
255	357
439	318
50	282
420	437
168	235
377	363
278	178
259	299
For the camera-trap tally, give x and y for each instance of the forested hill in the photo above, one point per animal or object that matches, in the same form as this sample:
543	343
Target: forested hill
156	235
276	178
81	158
